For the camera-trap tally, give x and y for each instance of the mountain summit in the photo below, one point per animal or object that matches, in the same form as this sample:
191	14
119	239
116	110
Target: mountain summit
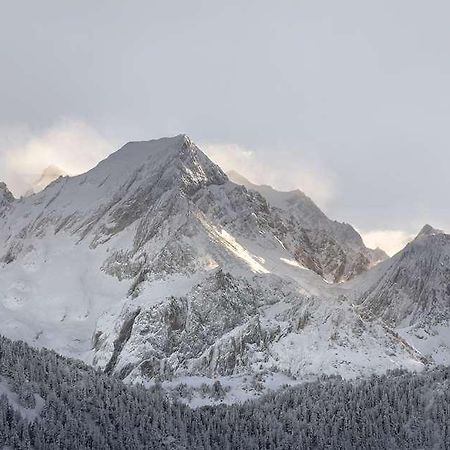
428	230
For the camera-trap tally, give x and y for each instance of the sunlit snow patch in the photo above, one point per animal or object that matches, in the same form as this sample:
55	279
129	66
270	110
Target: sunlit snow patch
230	243
293	262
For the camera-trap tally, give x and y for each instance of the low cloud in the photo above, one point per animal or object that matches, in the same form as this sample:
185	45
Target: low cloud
391	241
307	176
71	145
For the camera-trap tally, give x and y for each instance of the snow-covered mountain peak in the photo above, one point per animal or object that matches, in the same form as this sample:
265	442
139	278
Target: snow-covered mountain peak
151	150
428	230
411	291
174	157
131	180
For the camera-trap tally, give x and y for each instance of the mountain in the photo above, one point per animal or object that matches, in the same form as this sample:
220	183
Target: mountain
49	174
332	249
412	294
154	266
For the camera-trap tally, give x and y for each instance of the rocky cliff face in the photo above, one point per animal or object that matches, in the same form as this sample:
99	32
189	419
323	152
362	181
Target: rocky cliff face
228	326
155	266
332	249
6	199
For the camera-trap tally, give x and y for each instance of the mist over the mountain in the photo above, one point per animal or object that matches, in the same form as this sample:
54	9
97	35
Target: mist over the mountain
70	145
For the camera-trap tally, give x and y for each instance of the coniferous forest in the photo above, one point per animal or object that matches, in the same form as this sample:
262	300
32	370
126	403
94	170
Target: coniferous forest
77	407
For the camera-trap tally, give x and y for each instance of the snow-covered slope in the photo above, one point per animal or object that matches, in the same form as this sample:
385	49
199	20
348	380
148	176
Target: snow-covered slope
332	249
154	265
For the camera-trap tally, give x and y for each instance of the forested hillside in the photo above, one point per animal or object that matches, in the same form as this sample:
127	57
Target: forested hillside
50	402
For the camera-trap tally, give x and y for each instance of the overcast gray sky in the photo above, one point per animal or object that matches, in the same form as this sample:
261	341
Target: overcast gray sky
347	100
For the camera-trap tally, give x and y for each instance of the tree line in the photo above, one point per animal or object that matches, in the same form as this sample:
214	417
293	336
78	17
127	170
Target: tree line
87	409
